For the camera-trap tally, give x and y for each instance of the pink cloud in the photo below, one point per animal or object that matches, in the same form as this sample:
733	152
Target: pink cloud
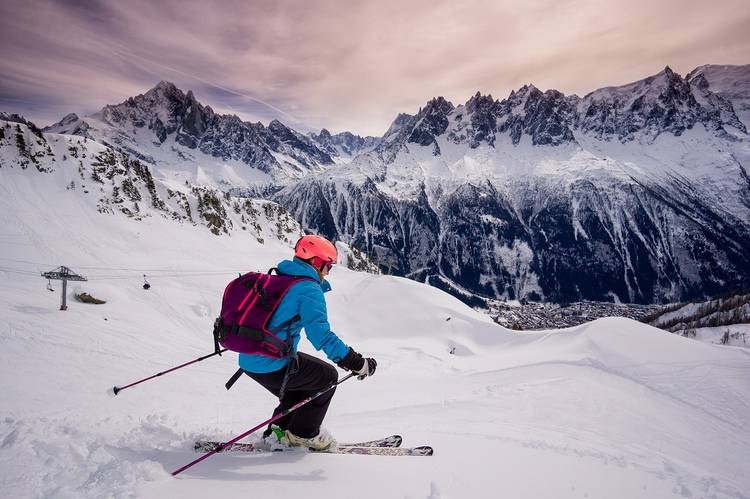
350	65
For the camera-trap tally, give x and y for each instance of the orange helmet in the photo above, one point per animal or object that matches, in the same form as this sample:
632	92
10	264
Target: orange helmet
318	248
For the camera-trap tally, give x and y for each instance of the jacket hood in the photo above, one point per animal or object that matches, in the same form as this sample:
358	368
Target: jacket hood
301	268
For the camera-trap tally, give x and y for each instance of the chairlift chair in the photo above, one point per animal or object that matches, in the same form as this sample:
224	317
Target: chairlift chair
49	285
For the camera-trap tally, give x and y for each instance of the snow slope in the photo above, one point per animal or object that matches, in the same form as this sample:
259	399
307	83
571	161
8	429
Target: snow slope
613	408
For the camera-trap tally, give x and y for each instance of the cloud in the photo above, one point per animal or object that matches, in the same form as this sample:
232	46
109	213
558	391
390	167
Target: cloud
347	65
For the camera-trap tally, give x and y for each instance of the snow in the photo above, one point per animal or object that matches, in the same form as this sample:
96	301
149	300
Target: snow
578	228
518	259
612	408
739	335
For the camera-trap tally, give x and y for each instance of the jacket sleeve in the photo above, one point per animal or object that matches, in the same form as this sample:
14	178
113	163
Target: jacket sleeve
314	318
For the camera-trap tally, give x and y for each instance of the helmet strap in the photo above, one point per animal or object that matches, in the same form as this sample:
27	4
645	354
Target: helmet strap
317	263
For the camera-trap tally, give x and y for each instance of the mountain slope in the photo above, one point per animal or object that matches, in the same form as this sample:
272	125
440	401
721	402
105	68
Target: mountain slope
613	408
645	228
722	319
644	186
113	183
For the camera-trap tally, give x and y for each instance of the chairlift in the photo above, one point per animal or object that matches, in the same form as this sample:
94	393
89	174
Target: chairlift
49	286
146	285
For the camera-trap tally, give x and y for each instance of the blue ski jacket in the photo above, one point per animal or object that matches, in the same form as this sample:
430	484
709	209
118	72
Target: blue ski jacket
305	298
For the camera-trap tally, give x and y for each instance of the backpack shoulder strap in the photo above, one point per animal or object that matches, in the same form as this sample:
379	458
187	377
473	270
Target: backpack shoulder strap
296	277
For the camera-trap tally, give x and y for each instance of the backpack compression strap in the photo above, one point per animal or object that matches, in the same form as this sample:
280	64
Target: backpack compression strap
234	378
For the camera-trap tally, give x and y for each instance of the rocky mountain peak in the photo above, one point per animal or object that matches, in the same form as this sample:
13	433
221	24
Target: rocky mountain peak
699	81
436	106
71	124
731	83
195	121
68	119
717	109
398	124
481	103
545	116
523	92
642	109
14	118
343	144
161	109
482	121
430	122
165	88
277	126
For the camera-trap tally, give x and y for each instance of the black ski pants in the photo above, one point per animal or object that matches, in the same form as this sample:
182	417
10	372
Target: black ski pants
311	376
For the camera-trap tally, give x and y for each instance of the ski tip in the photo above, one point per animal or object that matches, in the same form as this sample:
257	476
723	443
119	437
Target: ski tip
424	450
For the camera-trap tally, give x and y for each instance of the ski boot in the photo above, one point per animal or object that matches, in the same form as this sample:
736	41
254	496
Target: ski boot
322	441
275	438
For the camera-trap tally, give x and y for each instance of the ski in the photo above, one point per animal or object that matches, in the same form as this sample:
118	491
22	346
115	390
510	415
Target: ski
424	450
392	441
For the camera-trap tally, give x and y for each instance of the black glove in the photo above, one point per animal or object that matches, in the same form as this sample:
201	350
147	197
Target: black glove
355	362
368	368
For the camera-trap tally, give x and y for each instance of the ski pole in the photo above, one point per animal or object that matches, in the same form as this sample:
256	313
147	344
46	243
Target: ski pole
117	389
264	423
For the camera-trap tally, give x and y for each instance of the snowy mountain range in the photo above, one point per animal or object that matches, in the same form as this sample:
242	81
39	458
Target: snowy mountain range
638	193
612	408
171	118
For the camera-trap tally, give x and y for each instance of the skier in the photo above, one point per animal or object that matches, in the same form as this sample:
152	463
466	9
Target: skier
301	375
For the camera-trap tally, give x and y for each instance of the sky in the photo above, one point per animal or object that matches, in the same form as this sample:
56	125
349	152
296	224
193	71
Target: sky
347	65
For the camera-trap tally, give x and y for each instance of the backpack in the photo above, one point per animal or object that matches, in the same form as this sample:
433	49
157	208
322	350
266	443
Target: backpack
247	307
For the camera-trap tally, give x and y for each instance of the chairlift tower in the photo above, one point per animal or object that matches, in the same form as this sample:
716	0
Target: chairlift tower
63	274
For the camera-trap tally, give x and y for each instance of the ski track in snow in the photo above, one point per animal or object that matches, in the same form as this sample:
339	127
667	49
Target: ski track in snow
612	408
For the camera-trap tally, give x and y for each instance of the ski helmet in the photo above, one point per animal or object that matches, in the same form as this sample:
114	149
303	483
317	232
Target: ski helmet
316	249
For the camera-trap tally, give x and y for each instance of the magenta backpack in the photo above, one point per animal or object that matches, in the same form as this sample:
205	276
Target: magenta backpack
247	307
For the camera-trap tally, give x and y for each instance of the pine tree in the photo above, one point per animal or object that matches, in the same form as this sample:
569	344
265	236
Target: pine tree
21	142
35	130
